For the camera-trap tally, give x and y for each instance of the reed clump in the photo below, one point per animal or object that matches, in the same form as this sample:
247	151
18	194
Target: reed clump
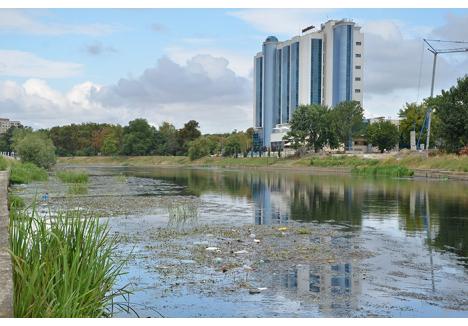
26	173
63	266
68	176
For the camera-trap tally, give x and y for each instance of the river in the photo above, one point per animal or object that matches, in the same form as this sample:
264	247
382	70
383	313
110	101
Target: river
381	247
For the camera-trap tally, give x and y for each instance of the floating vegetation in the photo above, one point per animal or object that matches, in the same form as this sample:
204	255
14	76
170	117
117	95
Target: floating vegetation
68	176
386	170
63	266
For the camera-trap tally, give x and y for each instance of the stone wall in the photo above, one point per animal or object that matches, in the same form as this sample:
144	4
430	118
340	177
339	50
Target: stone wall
6	280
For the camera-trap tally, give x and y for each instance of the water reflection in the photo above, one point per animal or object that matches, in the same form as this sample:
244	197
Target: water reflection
436	211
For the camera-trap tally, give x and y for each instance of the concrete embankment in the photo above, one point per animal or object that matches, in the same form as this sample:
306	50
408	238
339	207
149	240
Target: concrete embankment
6	277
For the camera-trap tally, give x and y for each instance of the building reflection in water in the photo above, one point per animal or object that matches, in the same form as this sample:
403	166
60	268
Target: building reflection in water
331	287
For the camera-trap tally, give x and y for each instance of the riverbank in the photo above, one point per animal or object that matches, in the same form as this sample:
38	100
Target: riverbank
443	166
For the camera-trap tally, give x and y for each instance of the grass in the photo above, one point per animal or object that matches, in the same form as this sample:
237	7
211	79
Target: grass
410	161
182	213
63	266
26	173
77	189
3	164
388	171
15	201
68	176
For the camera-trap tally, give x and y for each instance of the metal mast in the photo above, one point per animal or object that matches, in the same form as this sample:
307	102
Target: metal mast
437	51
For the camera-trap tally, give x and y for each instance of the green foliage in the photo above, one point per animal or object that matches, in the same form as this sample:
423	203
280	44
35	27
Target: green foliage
385	170
412	118
187	134
237	143
6	139
166	139
62	266
35	147
68	176
138	138
347	119
3	164
311	128
200	147
26	173
15	201
452	112
77	189
341	161
383	134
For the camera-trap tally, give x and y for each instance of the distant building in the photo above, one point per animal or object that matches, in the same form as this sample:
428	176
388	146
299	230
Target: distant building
6	124
319	67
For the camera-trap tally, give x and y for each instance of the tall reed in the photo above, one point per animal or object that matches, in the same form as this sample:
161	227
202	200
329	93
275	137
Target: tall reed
63	266
73	176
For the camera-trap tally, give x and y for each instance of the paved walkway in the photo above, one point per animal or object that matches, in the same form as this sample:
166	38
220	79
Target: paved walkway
6	281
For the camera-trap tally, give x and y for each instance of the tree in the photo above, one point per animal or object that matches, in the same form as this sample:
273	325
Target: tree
383	134
200	147
6	140
138	138
311	128
233	145
347	119
37	148
185	135
112	142
166	139
412	118
451	109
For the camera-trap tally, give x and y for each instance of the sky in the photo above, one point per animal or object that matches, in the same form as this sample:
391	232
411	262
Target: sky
62	66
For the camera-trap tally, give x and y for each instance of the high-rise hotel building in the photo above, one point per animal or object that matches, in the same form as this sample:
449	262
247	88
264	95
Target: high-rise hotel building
318	67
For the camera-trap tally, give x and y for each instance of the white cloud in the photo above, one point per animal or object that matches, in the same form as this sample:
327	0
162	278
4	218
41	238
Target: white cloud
25	64
282	21
203	89
12	20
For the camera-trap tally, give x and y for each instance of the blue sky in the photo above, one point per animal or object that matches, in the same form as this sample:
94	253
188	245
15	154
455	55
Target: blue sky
61	66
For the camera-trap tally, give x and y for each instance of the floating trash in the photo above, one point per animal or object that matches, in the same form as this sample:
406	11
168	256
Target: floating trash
240	252
256	241
212	249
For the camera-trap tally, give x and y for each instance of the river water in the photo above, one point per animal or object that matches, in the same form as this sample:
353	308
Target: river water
399	246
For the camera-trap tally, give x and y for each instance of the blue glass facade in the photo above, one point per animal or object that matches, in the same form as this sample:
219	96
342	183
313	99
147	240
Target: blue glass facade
285	85
277	117
294	78
316	71
269	76
258	91
342	63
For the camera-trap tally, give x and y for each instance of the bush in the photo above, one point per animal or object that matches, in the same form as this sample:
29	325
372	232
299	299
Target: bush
73	176
26	173
36	148
3	164
62	266
383	134
15	202
388	170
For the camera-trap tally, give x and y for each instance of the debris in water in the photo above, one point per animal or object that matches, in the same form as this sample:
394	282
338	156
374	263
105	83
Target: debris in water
212	249
283	228
241	252
256	241
252	236
254	291
218	260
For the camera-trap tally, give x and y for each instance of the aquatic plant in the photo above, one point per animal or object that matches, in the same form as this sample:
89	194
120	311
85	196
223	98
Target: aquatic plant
77	189
68	176
63	266
26	173
15	201
3	164
182	213
386	170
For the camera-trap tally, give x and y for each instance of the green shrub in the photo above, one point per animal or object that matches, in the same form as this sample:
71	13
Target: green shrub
36	148
63	266
26	173
77	189
388	170
73	176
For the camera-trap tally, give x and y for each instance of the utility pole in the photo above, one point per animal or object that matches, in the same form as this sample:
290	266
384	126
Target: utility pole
437	51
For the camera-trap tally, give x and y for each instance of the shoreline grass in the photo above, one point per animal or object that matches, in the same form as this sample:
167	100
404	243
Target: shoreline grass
26	173
75	177
411	161
63	266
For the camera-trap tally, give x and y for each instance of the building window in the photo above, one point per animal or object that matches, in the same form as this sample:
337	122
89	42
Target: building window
358	43
358	67
357	79
357	90
358	55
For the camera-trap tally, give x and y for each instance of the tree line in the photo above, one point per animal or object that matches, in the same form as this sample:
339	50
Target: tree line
313	127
